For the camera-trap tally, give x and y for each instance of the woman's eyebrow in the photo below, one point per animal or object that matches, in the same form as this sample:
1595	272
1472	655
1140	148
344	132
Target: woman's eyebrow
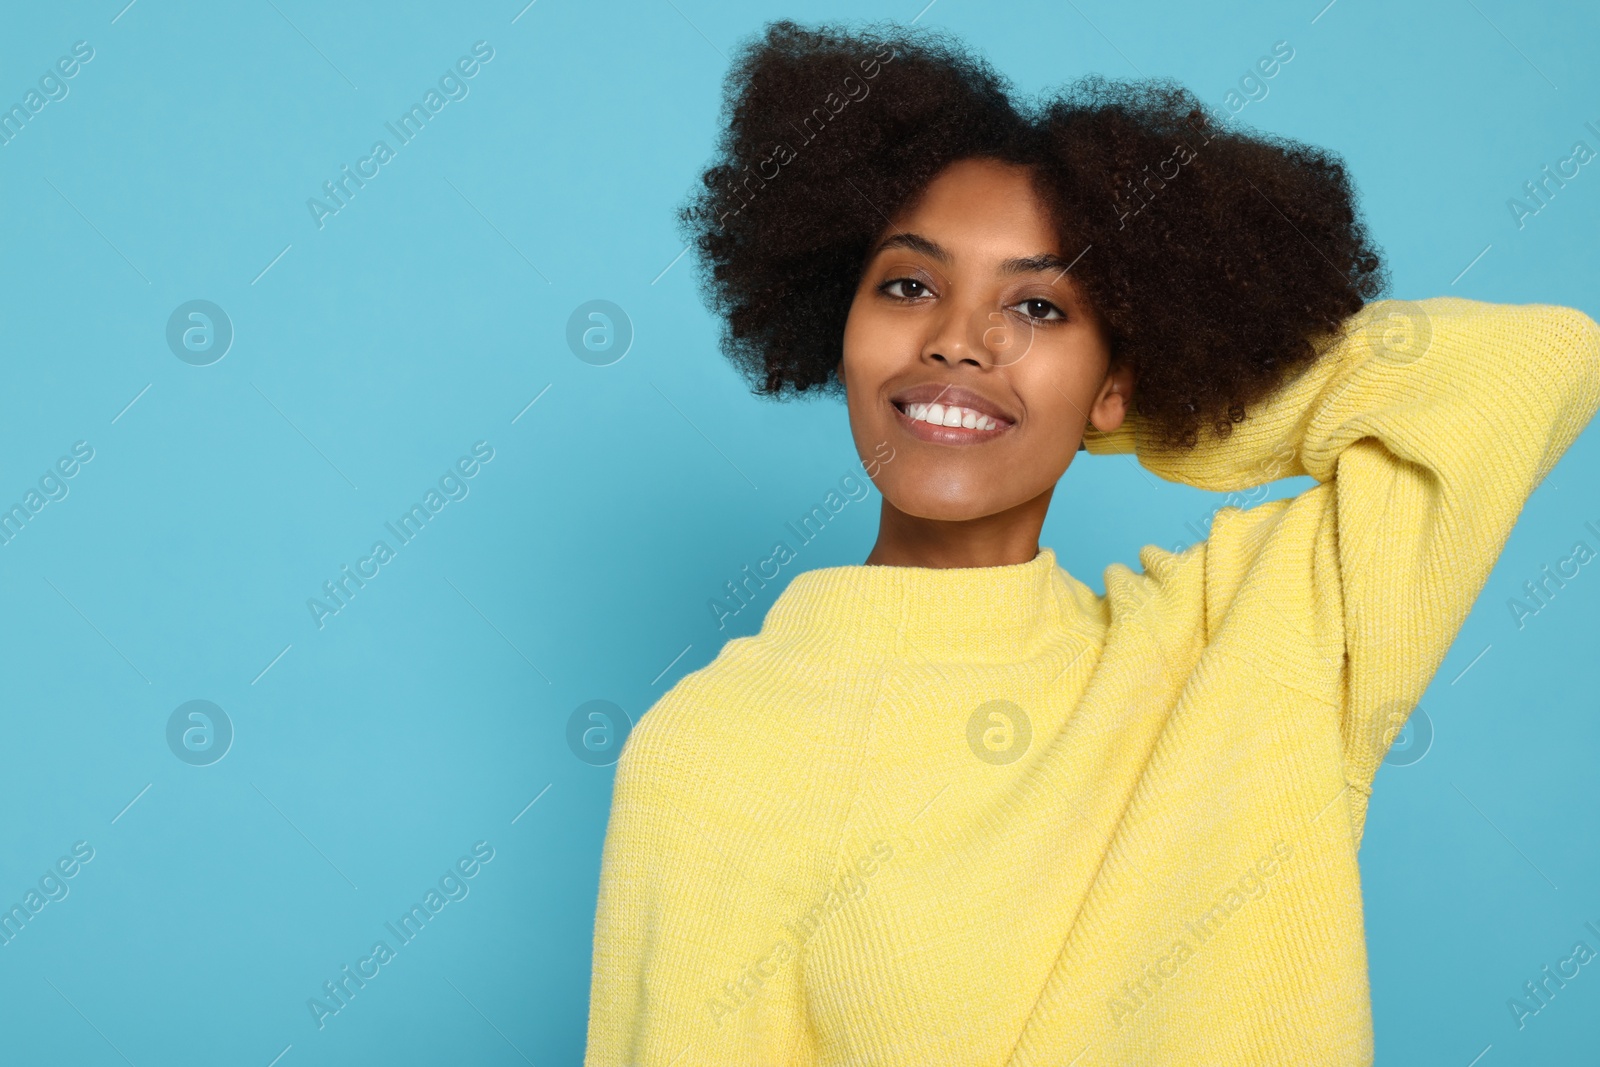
1043	262
1026	265
916	243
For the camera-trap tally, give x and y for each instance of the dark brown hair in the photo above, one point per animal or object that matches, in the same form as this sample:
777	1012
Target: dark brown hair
1209	253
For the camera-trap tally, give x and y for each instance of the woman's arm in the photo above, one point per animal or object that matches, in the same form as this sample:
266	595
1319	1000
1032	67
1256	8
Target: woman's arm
1435	420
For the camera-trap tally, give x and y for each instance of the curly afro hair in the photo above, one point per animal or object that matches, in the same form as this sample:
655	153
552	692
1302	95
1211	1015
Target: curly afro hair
1209	279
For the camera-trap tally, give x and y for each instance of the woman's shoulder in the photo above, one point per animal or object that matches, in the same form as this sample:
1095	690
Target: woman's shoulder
747	707
730	751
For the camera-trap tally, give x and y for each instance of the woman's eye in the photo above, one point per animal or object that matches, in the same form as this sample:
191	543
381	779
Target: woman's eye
905	293
1037	308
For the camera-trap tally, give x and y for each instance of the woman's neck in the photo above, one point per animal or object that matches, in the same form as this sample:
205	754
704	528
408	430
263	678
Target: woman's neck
1001	539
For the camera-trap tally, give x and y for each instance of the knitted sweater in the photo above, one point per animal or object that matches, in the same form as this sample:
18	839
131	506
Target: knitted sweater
986	816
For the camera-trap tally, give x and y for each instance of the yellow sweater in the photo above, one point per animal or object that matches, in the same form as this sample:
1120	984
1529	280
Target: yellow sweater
983	816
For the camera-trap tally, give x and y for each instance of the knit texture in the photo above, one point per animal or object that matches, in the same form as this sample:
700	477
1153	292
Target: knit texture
986	816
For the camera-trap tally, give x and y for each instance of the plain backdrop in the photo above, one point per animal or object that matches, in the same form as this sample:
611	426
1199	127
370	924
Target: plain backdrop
373	348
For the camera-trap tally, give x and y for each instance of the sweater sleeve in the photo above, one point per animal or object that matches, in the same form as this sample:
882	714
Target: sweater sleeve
1435	420
690	967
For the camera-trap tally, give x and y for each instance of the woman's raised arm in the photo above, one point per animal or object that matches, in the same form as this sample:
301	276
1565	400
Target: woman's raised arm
1434	420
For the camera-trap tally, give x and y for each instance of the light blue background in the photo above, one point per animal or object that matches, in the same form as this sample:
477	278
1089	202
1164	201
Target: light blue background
425	316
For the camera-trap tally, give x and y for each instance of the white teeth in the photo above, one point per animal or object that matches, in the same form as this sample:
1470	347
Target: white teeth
951	415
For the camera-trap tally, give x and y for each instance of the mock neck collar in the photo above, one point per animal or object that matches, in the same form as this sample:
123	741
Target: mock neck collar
932	614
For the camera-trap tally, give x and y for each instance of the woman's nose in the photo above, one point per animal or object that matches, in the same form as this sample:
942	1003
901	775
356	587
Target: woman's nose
979	334
958	336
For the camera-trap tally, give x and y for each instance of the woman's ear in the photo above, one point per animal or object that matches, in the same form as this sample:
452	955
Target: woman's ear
1116	396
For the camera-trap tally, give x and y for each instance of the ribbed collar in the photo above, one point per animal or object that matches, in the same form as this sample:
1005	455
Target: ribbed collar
932	614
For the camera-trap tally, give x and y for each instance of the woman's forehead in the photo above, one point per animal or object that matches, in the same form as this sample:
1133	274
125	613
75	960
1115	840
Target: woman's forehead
974	210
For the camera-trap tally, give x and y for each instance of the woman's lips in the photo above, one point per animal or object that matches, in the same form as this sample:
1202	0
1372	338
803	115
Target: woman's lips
947	435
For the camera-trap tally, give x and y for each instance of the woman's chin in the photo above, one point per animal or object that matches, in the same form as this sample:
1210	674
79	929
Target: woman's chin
948	507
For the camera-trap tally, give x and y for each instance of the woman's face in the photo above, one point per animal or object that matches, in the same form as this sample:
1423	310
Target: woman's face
965	300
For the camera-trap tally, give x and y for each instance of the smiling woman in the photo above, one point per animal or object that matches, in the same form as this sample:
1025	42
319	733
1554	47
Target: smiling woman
966	311
1073	782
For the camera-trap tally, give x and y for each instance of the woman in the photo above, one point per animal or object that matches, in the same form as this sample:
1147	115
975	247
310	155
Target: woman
952	806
